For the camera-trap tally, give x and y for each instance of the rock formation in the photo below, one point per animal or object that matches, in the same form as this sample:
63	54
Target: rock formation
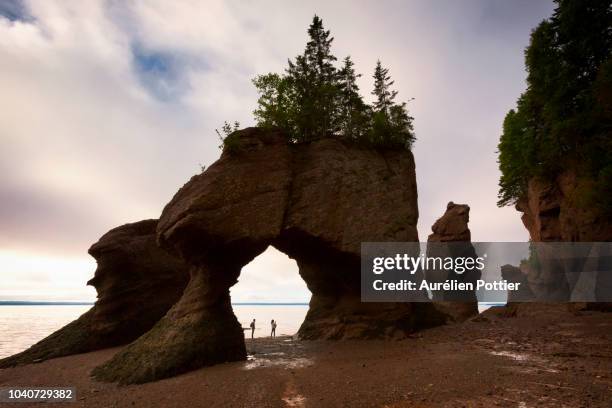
551	213
137	282
517	275
451	237
314	201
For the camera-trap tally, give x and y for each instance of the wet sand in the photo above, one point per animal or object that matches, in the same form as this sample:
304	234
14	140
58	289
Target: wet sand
545	360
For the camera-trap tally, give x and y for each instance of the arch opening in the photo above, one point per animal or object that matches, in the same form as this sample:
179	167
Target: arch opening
270	287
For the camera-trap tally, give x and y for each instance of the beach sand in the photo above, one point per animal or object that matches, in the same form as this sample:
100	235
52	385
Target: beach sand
542	360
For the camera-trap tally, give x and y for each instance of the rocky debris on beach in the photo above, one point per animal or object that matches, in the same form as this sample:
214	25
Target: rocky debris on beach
136	281
316	202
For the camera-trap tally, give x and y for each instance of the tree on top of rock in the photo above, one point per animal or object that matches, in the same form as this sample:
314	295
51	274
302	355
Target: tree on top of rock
391	124
314	99
382	89
353	112
314	80
563	120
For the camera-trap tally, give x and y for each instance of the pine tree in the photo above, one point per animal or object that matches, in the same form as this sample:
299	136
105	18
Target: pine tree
562	120
314	78
382	85
318	52
391	124
313	99
351	108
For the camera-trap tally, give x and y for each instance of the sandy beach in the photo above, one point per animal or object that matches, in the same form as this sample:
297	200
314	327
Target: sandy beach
548	359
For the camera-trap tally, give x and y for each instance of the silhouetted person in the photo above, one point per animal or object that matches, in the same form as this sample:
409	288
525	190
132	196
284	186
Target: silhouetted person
273	332
253	328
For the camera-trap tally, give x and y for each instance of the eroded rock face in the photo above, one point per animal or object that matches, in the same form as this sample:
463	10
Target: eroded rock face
453	225
550	214
451	237
314	201
137	283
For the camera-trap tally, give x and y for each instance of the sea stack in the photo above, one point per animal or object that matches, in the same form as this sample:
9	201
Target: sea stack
314	201
136	281
451	237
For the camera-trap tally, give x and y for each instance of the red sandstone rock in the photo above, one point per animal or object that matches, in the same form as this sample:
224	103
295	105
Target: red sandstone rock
314	201
551	213
451	237
137	282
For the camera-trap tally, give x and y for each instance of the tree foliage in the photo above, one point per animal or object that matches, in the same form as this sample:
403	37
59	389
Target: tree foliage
563	119
315	99
228	137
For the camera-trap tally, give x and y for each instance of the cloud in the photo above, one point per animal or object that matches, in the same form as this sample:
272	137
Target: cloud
108	107
160	73
14	10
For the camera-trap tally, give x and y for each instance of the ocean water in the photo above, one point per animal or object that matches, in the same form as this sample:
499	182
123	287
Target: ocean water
22	326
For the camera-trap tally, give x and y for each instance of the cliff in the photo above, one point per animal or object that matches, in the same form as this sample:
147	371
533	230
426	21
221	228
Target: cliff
551	212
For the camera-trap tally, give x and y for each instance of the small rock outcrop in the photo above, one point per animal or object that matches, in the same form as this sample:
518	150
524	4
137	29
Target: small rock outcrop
316	202
451	237
137	283
515	274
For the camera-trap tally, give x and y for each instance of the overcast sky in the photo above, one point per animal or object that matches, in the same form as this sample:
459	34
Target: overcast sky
108	107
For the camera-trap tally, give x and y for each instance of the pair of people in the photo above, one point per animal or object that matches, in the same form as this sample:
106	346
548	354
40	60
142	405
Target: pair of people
272	325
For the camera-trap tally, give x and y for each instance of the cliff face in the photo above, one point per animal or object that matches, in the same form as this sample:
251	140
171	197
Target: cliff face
137	282
316	202
550	212
451	237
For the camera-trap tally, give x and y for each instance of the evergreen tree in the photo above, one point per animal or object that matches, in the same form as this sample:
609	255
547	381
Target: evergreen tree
314	79
402	130
318	52
560	121
352	110
314	99
391	124
382	85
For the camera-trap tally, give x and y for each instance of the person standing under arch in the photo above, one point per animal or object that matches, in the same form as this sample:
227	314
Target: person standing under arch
273	325
252	328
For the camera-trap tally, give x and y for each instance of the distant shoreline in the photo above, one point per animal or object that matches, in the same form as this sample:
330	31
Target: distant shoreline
68	303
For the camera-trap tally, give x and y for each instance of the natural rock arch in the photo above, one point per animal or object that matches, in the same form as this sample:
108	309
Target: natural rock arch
315	202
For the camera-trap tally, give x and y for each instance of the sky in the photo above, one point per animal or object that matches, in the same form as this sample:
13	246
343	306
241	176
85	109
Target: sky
108	107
